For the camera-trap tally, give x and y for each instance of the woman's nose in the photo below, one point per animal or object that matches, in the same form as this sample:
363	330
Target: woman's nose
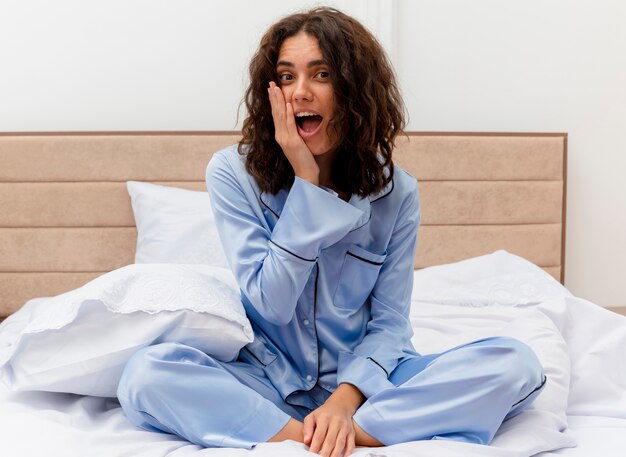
302	91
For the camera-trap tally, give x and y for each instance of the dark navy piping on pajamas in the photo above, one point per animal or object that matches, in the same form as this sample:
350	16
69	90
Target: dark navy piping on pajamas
535	390
364	259
295	255
381	367
267	206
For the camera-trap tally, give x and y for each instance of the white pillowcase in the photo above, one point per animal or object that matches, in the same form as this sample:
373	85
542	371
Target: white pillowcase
79	342
500	278
174	226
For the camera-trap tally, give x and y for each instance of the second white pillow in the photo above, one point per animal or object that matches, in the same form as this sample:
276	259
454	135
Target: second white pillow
174	226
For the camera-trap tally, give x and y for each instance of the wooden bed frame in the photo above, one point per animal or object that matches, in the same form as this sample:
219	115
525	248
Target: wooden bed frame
66	215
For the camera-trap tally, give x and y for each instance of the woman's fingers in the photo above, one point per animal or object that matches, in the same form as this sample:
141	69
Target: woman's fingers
350	443
308	429
319	436
336	448
338	440
284	134
290	121
288	138
277	102
328	435
332	440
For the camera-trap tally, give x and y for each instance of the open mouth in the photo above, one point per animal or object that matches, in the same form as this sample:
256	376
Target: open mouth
308	123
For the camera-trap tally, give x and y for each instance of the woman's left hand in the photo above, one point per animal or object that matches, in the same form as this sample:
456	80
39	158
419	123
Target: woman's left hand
329	430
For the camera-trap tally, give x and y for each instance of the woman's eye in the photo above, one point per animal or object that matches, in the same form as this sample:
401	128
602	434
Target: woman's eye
323	75
285	77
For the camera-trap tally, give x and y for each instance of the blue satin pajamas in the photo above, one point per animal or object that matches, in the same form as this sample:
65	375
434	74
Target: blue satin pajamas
212	403
326	285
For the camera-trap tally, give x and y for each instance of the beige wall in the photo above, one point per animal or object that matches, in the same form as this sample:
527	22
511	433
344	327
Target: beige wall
481	65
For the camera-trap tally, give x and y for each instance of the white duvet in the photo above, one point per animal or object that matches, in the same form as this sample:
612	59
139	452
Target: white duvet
581	346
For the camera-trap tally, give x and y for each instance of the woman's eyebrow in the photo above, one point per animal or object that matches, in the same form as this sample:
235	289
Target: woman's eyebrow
315	63
312	63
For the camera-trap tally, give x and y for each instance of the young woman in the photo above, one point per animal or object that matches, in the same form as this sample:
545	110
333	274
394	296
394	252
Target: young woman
320	230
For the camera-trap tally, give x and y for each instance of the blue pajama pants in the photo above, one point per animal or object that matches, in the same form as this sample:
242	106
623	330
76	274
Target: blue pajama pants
462	394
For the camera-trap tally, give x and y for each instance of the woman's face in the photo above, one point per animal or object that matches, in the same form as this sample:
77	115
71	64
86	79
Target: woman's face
304	77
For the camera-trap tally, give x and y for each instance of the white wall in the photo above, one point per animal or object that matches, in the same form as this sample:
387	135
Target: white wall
481	65
131	64
535	65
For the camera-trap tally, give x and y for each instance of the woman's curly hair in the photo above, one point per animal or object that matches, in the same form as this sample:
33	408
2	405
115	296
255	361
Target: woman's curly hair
369	111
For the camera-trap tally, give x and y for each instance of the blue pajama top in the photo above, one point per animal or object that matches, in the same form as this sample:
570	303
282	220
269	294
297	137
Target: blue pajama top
325	283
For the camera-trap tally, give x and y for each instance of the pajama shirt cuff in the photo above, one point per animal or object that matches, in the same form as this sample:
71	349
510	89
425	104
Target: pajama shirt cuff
363	373
312	219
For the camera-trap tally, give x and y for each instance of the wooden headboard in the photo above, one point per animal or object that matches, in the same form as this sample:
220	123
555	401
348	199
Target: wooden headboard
66	215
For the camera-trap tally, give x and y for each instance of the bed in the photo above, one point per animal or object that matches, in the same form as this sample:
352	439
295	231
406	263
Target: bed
107	244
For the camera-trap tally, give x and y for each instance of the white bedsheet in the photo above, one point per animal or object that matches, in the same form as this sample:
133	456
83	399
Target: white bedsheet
504	295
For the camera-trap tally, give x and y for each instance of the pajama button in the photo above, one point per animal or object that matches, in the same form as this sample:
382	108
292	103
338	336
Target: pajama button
309	377
306	322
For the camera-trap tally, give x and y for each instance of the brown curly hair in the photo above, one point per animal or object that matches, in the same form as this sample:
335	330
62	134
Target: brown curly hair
369	111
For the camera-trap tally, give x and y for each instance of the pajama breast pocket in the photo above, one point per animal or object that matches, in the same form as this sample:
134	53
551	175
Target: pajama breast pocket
357	278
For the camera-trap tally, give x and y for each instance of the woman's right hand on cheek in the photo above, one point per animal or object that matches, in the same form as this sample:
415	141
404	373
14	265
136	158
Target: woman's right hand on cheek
292	144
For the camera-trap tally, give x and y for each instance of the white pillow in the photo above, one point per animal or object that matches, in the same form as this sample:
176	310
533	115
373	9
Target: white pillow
174	226
500	278
79	342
